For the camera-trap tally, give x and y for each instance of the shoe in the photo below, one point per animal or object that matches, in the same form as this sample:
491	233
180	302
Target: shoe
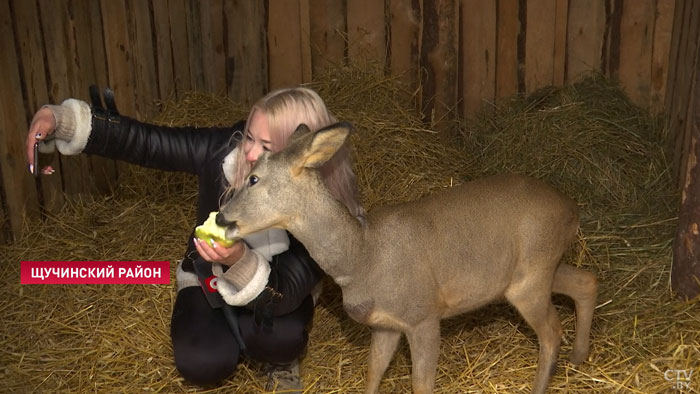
284	378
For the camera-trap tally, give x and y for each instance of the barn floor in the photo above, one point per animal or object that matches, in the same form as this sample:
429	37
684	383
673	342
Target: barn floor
585	139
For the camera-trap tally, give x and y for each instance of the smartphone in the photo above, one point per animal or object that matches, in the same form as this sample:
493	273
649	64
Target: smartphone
36	159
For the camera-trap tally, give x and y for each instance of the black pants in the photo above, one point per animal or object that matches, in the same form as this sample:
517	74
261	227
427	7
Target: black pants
206	351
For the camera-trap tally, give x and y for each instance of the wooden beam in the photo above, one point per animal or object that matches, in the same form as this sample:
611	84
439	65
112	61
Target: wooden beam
305	43
685	272
366	32
99	55
685	41
289	43
194	44
561	13
77	177
327	34
17	182
478	54
508	29
246	51
177	15
690	60
585	38
439	58
5	232
636	39
213	51
611	38
83	40
97	174
56	45
119	58
539	44
406	25
64	72
679	15
31	50
31	47
141	40
663	28
164	50
90	37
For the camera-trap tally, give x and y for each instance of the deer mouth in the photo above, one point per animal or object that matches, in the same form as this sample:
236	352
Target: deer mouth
231	227
232	231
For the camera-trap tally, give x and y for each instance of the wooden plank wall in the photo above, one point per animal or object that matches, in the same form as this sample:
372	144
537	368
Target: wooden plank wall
683	101
455	56
683	77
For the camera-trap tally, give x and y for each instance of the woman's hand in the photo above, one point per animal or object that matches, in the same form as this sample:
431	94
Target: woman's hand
218	253
43	124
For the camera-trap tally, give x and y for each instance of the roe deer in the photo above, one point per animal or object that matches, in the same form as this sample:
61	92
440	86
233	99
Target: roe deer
415	263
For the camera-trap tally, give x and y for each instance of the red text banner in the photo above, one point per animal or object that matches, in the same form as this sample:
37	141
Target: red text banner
95	272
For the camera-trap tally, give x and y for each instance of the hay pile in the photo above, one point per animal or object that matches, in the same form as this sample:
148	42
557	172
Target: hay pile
585	139
397	157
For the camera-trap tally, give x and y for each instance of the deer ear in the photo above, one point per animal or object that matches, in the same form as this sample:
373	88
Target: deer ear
296	140
324	143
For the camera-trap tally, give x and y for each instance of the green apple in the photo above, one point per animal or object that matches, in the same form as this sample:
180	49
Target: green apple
211	231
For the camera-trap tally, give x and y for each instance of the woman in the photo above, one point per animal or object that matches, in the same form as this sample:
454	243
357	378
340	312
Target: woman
267	278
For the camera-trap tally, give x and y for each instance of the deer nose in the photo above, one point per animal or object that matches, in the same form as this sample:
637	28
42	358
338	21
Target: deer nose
221	220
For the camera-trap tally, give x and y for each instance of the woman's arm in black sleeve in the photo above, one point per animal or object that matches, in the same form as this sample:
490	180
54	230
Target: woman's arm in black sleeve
166	148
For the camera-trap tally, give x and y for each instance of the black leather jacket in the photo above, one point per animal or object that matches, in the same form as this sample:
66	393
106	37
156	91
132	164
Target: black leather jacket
200	151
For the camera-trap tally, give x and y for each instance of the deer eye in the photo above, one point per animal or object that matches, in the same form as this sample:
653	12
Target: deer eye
252	180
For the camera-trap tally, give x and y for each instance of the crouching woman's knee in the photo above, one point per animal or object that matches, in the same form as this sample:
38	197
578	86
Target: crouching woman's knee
283	341
205	363
205	351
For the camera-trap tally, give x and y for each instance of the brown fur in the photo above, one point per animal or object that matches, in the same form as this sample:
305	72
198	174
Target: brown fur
415	263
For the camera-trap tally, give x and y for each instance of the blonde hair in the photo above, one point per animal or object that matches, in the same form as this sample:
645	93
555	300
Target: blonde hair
285	109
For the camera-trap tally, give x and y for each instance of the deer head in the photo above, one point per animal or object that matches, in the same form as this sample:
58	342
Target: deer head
281	185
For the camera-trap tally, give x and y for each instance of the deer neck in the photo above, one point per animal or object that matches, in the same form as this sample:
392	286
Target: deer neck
332	236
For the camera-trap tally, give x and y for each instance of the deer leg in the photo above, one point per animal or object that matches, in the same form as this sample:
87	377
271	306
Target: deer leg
381	351
582	287
424	341
535	305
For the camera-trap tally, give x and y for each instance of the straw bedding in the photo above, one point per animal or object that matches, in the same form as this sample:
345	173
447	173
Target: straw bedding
585	139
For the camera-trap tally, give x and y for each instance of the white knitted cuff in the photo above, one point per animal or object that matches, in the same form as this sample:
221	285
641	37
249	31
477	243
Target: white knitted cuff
252	290
81	120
